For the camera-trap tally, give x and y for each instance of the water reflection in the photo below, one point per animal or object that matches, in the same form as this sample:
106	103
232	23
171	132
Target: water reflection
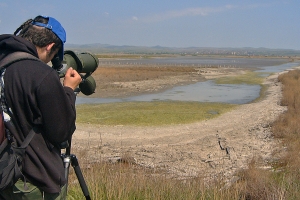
206	91
277	68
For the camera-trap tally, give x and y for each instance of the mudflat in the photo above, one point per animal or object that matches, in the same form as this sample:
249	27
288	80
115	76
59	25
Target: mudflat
213	148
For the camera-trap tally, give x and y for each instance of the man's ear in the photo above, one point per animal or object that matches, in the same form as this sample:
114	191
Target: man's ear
49	46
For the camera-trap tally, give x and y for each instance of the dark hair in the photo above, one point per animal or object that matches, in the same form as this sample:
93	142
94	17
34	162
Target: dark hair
39	36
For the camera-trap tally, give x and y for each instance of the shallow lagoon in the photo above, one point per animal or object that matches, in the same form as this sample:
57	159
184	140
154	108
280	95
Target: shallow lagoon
206	91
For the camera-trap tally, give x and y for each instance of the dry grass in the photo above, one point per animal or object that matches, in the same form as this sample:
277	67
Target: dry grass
283	181
125	180
128	181
287	126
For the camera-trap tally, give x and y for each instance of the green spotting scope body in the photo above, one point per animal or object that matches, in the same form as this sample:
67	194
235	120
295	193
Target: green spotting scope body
83	63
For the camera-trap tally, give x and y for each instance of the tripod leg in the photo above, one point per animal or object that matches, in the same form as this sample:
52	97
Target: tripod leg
80	178
67	161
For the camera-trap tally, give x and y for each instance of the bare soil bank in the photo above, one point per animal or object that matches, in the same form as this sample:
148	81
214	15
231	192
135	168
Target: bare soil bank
213	148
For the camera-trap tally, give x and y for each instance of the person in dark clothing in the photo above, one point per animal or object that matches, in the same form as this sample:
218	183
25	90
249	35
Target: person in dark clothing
37	98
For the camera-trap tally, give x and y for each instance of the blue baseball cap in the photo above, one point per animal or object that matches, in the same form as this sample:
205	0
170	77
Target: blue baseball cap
56	28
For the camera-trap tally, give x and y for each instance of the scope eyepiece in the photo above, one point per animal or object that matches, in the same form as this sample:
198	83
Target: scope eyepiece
56	63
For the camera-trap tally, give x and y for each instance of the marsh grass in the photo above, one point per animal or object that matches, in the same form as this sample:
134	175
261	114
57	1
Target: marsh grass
128	181
250	78
149	113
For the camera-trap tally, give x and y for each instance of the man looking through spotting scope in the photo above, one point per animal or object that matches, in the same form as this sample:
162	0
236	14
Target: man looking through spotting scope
37	98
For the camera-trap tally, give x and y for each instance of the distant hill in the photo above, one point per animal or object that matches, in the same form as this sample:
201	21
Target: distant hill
106	48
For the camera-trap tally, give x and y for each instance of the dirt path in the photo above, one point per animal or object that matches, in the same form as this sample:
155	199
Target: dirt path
210	148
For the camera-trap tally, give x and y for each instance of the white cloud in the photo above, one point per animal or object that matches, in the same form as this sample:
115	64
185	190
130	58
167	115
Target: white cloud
198	11
134	18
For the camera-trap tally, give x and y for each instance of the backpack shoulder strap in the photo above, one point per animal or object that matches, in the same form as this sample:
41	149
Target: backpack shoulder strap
5	62
28	138
15	57
11	128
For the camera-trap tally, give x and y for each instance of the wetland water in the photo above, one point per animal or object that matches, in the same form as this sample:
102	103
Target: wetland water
206	91
197	61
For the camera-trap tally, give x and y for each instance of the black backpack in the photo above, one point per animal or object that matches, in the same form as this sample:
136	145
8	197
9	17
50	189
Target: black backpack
11	155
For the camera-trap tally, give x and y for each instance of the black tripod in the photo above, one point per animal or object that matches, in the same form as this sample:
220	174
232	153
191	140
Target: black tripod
71	159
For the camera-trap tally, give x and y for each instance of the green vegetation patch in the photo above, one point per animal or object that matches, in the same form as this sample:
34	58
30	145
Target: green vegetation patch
250	77
149	113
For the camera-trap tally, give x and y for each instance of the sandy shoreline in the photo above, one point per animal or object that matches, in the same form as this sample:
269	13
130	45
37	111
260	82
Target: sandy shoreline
216	147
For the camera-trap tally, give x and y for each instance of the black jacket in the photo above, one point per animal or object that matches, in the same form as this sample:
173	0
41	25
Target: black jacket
37	98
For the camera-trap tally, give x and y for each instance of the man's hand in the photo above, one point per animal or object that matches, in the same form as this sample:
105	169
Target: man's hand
72	78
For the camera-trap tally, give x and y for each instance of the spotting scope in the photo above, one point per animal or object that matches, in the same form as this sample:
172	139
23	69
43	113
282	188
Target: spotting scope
84	63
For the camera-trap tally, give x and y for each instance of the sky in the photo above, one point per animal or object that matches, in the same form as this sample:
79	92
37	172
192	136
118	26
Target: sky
271	24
